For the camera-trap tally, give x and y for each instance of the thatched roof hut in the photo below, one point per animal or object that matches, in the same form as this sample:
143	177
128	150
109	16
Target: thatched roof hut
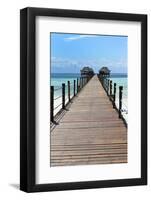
87	71
104	71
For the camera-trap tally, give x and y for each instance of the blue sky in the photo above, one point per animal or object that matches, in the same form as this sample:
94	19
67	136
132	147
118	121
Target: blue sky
71	52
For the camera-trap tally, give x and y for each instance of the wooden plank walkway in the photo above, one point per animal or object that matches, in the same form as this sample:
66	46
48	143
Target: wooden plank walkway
90	132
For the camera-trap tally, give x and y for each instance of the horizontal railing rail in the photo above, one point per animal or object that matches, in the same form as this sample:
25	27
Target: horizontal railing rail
57	88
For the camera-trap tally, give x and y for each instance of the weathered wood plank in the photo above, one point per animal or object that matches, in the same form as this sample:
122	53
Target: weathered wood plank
90	131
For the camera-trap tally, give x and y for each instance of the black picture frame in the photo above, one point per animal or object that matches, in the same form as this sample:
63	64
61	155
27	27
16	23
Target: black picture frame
28	98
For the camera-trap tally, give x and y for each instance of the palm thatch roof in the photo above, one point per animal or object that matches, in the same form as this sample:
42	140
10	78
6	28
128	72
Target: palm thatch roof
104	71
87	71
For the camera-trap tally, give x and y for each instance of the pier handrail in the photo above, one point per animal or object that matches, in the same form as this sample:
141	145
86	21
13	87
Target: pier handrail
110	89
77	84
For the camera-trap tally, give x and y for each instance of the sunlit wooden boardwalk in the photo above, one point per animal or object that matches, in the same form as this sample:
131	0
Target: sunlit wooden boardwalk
90	131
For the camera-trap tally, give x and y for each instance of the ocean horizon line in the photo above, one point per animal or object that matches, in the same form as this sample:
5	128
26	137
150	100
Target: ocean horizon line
74	75
80	73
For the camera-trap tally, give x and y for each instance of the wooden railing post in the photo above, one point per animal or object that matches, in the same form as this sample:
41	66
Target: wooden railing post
102	79
69	91
74	87
52	104
63	95
80	83
110	87
120	100
77	85
108	83
114	96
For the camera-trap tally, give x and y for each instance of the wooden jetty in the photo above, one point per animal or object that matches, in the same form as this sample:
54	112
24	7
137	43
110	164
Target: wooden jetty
90	130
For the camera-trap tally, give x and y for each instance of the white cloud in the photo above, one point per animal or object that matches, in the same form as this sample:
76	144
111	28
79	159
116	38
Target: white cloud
78	37
70	65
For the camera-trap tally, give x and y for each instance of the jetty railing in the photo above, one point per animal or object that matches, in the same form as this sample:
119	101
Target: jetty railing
68	91
111	91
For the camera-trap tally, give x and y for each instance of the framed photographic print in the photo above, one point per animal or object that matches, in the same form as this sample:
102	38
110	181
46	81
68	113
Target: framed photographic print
83	95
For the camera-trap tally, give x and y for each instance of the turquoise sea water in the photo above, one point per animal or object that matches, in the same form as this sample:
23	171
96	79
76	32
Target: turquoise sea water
120	80
58	78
